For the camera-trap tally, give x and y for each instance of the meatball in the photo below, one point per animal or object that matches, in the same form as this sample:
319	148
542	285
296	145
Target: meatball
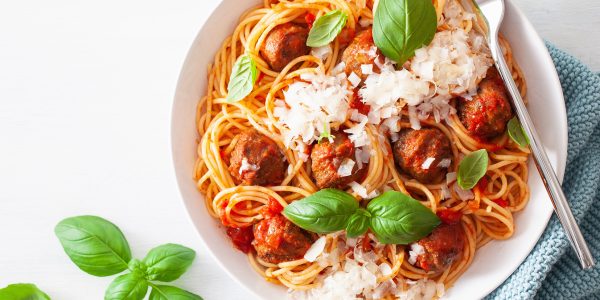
326	159
256	160
361	51
441	248
486	115
276	240
414	147
283	44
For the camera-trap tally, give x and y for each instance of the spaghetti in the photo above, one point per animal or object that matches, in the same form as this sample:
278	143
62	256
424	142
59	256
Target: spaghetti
487	216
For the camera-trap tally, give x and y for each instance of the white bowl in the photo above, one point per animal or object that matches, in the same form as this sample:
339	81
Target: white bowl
492	264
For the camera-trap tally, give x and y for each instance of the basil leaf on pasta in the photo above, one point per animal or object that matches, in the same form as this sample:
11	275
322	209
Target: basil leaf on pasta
94	244
402	26
516	133
241	81
325	211
326	28
358	223
399	219
471	169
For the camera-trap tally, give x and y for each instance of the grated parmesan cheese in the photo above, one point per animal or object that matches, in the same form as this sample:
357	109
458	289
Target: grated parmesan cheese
464	195
354	79
445	163
366	69
345	168
415	251
322	52
362	191
427	163
315	249
246	166
310	107
450	177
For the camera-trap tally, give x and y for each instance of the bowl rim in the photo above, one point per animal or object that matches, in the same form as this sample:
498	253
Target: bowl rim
560	163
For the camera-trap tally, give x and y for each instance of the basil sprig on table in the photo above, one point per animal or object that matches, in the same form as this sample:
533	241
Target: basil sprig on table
471	169
326	28
402	26
98	247
516	132
393	217
22	291
242	79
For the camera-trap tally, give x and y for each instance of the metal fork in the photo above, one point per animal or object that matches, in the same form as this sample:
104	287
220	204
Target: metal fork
492	12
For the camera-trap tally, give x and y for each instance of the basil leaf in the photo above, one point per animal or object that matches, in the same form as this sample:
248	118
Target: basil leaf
94	244
399	219
402	26
241	81
325	211
359	223
471	169
516	133
22	291
166	292
137	267
326	28
127	287
168	262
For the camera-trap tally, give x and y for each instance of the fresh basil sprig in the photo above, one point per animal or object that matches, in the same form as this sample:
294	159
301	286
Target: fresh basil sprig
326	28
95	245
358	223
516	132
167	292
325	211
399	219
402	26
394	217
471	169
22	291
168	262
98	247
242	79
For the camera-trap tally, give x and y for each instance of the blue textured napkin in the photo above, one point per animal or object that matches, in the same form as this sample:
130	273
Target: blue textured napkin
552	271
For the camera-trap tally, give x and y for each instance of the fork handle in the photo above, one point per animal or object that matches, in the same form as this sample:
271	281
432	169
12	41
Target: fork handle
559	201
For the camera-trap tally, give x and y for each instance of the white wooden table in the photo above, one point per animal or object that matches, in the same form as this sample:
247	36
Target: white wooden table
85	98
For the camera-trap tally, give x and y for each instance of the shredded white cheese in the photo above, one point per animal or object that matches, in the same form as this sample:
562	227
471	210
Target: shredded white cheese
450	177
415	251
345	168
322	52
310	107
362	191
366	69
246	166
427	163
354	79
464	195
315	249
385	269
445	163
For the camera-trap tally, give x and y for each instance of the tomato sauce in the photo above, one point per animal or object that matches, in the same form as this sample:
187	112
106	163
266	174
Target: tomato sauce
241	237
310	19
272	208
356	103
271	232
449	216
501	202
346	36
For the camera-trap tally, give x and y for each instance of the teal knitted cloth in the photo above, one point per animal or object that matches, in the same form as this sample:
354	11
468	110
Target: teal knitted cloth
552	271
